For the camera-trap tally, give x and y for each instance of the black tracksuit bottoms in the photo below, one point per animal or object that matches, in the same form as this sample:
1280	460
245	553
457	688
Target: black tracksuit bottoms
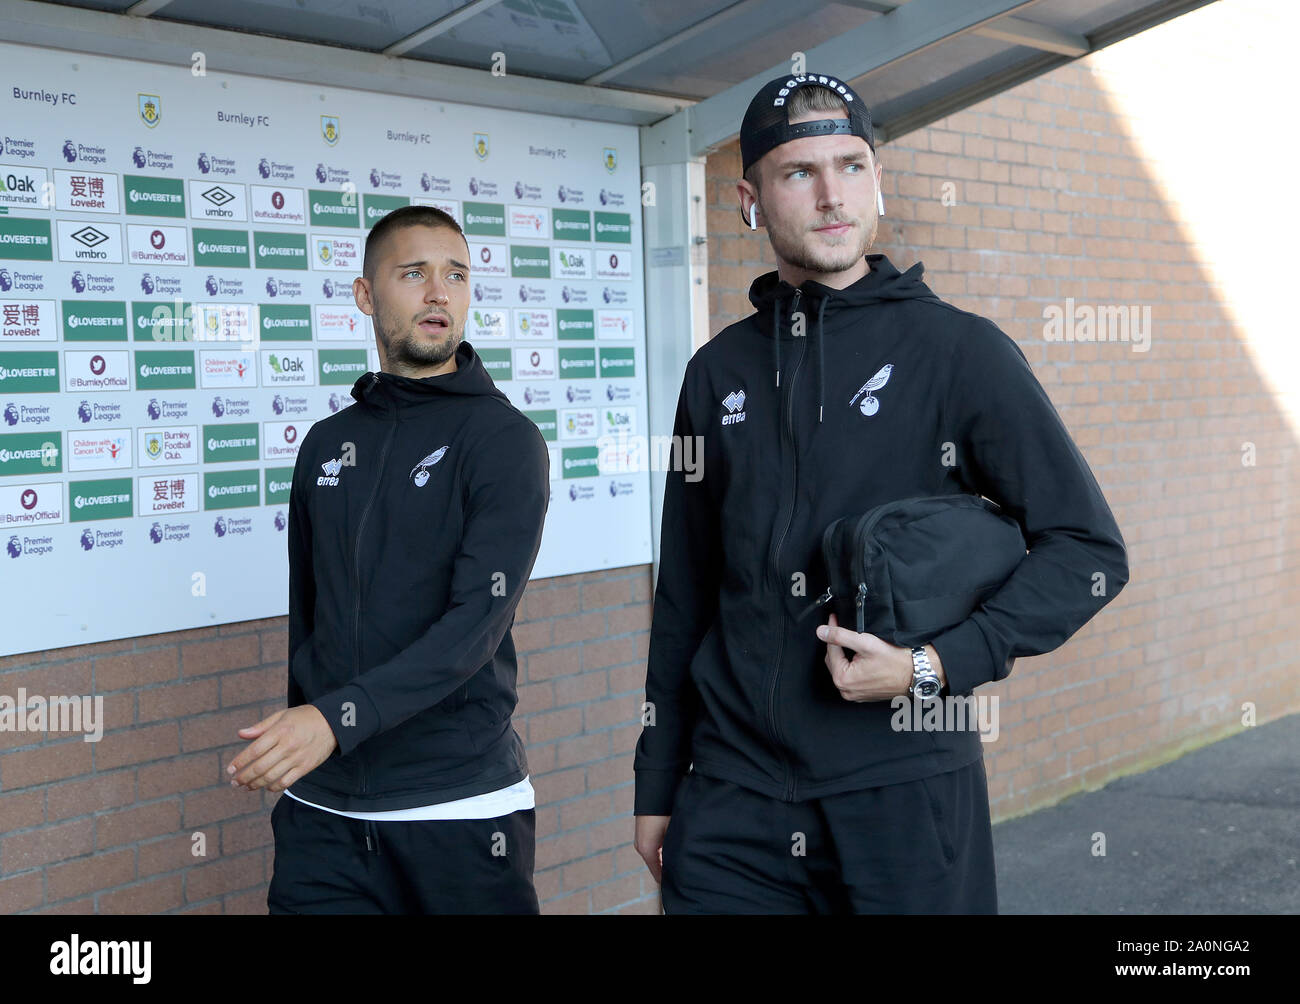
327	863
919	847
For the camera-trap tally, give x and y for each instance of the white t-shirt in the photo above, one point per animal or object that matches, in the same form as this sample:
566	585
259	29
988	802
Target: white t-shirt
489	805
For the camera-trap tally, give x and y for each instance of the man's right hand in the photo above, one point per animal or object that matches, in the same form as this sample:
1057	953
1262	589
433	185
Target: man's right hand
649	843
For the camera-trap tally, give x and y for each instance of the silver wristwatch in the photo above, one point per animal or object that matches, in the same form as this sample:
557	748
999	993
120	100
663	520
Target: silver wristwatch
925	681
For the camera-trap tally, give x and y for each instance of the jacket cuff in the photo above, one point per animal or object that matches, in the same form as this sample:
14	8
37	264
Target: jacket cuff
351	714
967	662
655	790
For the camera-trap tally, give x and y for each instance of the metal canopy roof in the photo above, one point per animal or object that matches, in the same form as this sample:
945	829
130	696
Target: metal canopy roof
639	61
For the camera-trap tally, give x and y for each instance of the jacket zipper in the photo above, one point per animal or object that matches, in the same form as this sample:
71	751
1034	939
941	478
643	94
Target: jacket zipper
356	578
788	428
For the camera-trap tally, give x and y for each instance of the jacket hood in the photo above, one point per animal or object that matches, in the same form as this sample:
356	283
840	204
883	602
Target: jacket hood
385	391
771	295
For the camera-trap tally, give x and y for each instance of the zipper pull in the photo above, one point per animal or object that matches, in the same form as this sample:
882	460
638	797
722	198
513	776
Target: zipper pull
794	304
862	598
368	847
821	600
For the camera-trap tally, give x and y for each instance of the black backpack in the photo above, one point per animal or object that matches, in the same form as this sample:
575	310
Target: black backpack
910	569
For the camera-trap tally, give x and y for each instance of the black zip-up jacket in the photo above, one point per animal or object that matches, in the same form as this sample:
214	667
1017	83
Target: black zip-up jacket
415	516
865	395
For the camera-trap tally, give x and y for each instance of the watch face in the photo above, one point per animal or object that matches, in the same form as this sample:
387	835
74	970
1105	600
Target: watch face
928	688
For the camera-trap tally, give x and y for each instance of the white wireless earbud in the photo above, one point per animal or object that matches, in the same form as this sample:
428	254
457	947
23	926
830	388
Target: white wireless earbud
753	225
880	201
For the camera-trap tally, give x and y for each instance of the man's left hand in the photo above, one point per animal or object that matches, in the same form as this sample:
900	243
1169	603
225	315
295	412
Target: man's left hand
877	671
286	746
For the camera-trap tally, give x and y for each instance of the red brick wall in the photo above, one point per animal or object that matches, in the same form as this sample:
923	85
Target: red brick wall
109	827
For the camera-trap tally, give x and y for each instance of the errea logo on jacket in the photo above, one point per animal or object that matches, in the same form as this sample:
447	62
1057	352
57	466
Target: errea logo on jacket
330	478
735	402
420	473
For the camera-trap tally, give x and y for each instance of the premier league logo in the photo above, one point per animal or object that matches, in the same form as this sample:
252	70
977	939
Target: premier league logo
279	519
218	407
523	293
153	409
137	157
335	402
6	283
155	533
271	288
69	151
519	189
87	540
15	547
146	282
204	164
11	414
320	173
277	404
573	493
564	293
559	192
210	284
528	395
568	392
219	527
374	177
605	294
78	282
264	168
327	287
478	292
473	186
83	411
604	199
425	183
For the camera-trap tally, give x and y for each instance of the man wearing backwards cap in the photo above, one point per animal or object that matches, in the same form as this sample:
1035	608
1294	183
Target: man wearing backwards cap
769	779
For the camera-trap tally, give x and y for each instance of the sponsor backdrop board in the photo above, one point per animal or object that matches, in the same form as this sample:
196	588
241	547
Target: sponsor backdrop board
176	261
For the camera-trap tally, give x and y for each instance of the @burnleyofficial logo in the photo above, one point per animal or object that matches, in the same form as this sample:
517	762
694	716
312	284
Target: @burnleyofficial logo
28	499
419	473
870	404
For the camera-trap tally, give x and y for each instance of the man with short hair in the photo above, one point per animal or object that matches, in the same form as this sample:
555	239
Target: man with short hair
769	776
415	516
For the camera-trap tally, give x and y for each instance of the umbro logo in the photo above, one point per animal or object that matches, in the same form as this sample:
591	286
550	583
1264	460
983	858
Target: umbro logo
331	476
870	405
735	404
420	472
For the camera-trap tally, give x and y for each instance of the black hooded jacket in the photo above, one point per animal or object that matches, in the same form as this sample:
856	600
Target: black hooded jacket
415	516
822	404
